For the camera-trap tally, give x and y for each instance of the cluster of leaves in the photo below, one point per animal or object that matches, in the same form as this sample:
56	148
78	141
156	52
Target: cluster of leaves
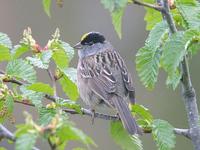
164	51
22	61
161	50
53	126
162	131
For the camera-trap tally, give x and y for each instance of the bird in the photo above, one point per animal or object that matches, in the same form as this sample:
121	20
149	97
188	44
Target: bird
103	78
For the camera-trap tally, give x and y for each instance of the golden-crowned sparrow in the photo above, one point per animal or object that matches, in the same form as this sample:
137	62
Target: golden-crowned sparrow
103	78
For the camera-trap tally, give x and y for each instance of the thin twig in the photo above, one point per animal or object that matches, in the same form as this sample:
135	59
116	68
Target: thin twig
184	132
24	103
52	146
156	7
178	131
53	81
87	112
5	133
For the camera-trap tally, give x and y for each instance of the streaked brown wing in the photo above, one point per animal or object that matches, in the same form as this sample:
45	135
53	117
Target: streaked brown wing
126	77
100	77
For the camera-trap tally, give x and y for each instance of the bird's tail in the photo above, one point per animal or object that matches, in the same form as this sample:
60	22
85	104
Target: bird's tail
125	115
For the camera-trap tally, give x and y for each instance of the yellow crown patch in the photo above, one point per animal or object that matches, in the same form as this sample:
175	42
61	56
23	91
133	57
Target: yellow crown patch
84	36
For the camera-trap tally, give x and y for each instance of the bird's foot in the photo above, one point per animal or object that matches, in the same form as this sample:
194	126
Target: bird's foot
118	117
93	115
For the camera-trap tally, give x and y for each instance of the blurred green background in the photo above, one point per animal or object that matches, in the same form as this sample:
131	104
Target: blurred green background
76	18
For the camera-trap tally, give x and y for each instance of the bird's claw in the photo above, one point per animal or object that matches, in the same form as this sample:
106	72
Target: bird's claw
93	115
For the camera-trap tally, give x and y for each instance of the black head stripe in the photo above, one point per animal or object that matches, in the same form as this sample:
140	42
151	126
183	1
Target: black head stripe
92	38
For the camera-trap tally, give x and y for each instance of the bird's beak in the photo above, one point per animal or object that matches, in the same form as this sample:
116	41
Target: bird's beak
77	46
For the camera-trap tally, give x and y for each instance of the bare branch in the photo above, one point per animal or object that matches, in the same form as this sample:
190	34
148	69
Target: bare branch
184	132
53	81
5	133
156	7
87	112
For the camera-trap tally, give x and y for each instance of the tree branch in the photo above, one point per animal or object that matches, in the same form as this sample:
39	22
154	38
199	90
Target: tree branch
188	91
183	132
156	7
87	112
5	133
52	146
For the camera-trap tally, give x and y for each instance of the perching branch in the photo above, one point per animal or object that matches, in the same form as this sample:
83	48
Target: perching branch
188	91
6	134
87	112
156	7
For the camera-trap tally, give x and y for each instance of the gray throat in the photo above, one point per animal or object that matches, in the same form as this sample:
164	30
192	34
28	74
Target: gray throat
94	49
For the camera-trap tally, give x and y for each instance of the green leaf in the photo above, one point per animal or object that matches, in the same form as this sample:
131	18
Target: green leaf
4	53
68	83
34	97
116	8
163	134
68	50
21	69
147	65
191	17
174	79
68	104
175	49
123	139
79	135
117	21
41	87
143	112
9	103
148	57
113	5
194	47
5	40
46	115
156	35
173	52
41	60
6	107
152	17
59	56
192	36
67	132
26	141
5	45
19	50
22	129
47	6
